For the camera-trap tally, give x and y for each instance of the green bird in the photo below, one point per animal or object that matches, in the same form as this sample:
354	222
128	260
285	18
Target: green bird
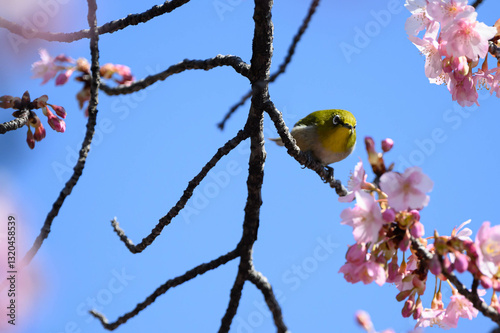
327	136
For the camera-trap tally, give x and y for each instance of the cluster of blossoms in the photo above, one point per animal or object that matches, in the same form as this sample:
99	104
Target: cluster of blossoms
386	225
62	67
24	104
453	43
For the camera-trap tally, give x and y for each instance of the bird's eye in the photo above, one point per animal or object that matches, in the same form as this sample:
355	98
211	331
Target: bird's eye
336	119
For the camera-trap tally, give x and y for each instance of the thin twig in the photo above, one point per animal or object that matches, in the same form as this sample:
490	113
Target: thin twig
189	275
282	67
472	296
110	27
15	123
188	192
219	60
264	286
80	164
234	301
477	3
294	151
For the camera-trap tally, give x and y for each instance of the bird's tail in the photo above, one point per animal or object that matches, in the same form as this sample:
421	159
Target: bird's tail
278	141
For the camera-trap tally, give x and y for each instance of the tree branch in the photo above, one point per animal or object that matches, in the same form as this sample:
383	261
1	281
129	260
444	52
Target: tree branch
110	27
80	164
477	3
282	67
219	60
188	192
259	74
15	123
234	301
294	151
264	286
172	283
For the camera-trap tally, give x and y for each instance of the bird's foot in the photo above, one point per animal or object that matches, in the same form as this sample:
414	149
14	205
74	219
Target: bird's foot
329	175
309	159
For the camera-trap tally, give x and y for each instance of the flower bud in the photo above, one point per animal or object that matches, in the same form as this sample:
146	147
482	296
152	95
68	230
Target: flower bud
418	309
415	214
82	65
363	320
403	295
39	133
447	65
435	265
448	265
387	144
460	65
61	112
389	215
486	282
392	271
461	262
417	229
30	140
356	254
63	78
408	308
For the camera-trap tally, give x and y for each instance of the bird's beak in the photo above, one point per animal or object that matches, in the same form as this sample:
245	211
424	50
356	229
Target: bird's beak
347	126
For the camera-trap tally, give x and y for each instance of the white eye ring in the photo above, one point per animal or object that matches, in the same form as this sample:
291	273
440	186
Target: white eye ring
336	119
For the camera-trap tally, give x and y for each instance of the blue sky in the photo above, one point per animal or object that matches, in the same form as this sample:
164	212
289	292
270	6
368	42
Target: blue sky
150	144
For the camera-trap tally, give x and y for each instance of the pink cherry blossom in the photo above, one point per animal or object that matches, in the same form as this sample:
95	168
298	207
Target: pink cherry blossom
445	11
463	91
367	271
495	82
125	73
459	307
431	317
407	190
467	37
488	245
372	272
358	178
419	19
365	218
461	232
429	47
45	68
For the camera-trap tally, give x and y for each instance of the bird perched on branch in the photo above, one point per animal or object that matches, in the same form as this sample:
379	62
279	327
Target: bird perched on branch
327	136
